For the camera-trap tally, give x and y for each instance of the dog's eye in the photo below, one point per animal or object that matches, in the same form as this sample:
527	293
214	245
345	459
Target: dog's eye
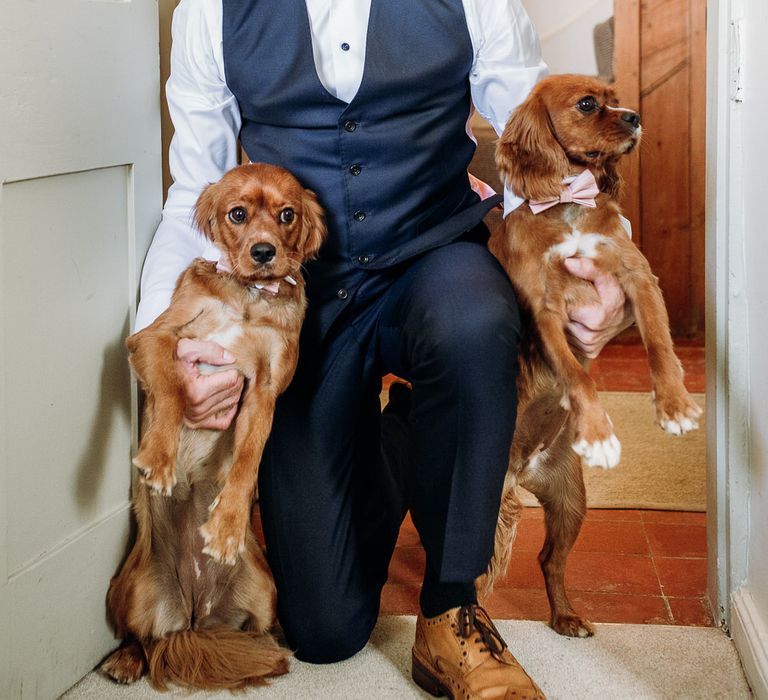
287	215
587	104
237	215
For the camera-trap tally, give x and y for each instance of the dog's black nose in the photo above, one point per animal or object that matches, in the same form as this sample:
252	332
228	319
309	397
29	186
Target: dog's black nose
632	118
263	252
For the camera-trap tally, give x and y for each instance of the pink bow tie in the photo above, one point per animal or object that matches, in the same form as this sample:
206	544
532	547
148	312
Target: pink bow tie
581	190
272	287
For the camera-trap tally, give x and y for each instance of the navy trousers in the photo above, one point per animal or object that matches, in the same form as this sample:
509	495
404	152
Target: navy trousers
331	509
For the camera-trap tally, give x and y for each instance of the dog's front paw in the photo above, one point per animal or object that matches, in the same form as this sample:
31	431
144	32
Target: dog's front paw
572	625
125	665
599	453
161	477
224	532
677	415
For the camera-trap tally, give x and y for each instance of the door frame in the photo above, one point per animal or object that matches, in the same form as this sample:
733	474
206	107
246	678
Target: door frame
726	355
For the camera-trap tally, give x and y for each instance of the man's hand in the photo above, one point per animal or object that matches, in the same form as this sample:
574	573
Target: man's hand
212	399
593	325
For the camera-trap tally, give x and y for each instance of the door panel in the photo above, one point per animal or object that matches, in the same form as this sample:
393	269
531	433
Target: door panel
80	197
66	325
660	56
665	203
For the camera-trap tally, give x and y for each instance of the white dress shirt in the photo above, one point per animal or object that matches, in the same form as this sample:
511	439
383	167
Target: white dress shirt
507	64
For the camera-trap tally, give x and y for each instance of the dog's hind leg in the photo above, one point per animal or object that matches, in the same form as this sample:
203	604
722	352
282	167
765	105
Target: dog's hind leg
559	485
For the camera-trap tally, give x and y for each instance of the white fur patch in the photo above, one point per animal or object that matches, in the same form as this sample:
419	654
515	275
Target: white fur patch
197	568
603	453
577	243
680	425
533	461
227	335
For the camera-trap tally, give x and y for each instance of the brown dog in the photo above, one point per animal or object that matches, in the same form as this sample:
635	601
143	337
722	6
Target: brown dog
180	612
571	126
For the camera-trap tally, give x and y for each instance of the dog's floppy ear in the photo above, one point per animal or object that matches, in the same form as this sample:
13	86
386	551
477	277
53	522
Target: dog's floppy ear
528	155
205	211
313	228
611	181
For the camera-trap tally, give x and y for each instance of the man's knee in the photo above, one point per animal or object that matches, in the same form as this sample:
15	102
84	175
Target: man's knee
461	331
332	631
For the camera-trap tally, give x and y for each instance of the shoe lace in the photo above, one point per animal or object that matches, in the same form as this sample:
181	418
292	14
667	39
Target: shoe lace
471	622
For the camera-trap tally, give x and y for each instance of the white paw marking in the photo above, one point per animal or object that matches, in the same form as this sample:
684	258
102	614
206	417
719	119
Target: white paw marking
577	243
603	453
216	553
583	633
154	487
679	425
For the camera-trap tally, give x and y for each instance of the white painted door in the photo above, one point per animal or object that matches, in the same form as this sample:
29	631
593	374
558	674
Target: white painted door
80	197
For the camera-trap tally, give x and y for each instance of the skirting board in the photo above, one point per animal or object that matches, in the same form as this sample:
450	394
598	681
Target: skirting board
750	635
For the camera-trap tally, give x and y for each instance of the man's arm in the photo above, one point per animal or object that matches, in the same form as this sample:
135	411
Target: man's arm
507	65
206	119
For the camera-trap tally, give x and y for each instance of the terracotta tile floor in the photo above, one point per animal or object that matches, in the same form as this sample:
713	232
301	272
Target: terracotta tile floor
626	566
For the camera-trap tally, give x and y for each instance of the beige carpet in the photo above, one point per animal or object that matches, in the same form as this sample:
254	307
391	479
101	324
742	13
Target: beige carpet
621	661
657	471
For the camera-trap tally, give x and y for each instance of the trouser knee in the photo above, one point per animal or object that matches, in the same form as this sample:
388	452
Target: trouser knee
332	632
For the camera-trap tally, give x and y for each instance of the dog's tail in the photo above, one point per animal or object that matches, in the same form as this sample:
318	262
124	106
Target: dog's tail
217	658
506	530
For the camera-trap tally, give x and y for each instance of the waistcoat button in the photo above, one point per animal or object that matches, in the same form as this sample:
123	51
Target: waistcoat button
350	126
359	216
355	169
342	293
363	259
345	46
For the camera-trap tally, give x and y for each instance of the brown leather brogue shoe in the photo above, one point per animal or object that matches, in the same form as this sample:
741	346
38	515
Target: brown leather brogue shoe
461	654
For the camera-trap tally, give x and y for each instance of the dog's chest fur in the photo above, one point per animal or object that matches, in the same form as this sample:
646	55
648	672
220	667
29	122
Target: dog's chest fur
258	328
564	231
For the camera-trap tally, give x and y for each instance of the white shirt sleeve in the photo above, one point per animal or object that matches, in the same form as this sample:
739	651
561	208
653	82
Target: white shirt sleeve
206	119
507	63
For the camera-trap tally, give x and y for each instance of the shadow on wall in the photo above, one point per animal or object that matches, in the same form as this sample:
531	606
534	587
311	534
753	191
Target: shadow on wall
115	397
565	29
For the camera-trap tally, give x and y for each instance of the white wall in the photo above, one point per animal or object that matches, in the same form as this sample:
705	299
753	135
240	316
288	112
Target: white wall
755	107
737	325
565	30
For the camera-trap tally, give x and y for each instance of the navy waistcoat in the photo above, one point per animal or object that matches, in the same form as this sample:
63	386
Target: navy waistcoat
390	168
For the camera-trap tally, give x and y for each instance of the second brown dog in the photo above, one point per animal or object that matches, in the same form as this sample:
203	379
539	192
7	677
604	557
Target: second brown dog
570	127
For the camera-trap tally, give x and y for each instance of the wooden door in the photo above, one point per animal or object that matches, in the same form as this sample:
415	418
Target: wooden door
659	64
80	195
